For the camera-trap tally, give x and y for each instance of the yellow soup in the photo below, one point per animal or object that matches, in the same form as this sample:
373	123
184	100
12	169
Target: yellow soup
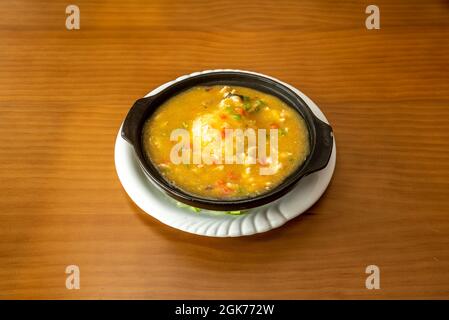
231	172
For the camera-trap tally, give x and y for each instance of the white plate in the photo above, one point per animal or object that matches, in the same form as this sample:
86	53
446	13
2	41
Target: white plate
213	224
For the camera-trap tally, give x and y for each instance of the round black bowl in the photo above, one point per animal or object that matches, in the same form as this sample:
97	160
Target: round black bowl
320	135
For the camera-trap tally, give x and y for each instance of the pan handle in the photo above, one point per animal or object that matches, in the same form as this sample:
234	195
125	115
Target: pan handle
323	146
131	125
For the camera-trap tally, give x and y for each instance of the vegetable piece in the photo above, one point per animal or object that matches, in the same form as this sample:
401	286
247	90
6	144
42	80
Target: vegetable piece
236	212
183	205
258	104
283	131
226	190
232	176
222	186
239	111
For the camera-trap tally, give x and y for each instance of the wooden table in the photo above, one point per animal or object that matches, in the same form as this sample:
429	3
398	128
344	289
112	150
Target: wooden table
63	95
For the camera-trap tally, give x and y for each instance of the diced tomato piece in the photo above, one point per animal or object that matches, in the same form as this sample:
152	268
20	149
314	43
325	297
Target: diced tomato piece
226	190
274	126
223	116
232	176
239	110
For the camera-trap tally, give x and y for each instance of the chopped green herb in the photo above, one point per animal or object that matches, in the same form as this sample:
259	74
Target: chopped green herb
183	205
260	103
283	131
236	212
237	117
253	107
194	209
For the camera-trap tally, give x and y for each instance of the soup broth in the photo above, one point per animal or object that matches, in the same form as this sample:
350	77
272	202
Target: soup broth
201	109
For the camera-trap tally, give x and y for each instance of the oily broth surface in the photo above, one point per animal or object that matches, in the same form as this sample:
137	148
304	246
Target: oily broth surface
208	106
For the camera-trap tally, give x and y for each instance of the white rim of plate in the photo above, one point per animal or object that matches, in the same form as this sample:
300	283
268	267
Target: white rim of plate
218	224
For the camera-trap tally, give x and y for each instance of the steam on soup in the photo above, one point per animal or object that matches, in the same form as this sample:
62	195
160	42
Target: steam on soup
234	168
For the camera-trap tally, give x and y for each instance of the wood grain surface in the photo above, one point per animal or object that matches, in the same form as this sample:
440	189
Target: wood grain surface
63	95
